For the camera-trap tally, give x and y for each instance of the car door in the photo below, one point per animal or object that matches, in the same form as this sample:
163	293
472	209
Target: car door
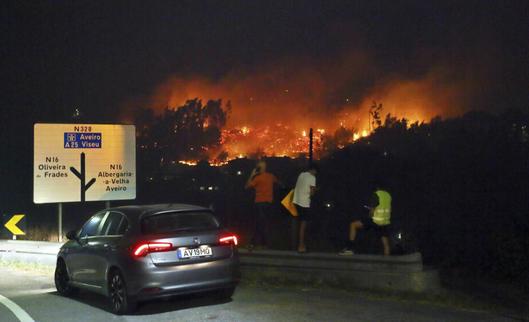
105	245
80	260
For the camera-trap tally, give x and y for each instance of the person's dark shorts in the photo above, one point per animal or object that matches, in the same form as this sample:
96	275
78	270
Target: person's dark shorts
263	208
381	231
304	214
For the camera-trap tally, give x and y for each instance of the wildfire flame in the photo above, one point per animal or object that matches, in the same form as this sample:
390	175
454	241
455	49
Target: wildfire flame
272	108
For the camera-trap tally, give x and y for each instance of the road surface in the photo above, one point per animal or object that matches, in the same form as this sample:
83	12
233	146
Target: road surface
32	297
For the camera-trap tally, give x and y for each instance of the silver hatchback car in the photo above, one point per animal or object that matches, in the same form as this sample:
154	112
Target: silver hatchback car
134	253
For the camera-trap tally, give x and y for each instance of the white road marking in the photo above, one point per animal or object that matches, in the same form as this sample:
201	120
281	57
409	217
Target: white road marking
22	315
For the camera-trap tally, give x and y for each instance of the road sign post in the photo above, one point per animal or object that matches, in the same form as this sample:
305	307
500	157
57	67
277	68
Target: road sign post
60	222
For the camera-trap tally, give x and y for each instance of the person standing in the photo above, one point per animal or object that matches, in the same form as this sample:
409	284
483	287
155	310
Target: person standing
303	192
379	220
263	183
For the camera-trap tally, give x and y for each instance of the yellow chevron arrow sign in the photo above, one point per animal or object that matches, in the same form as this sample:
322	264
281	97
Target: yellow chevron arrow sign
11	225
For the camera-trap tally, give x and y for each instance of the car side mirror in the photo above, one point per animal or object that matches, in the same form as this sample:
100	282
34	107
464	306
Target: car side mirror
72	235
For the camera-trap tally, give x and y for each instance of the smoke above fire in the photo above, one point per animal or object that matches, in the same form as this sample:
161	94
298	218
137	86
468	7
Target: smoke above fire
309	92
298	93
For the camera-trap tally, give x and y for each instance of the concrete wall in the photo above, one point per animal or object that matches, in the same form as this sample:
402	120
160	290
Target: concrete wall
374	272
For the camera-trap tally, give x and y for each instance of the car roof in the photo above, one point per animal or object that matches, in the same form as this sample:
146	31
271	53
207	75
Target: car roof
146	210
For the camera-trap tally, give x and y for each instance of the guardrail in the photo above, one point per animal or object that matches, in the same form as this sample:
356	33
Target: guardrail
27	246
32	252
329	261
374	272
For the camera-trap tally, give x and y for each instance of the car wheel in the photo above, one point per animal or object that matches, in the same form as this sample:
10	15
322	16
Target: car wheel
62	280
120	301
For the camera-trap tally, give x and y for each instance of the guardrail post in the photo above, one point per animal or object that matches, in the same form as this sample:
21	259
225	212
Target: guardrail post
60	222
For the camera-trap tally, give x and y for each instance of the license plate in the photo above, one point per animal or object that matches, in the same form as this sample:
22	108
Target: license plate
203	251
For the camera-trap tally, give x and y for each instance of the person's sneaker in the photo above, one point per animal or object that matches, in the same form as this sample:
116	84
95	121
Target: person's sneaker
346	252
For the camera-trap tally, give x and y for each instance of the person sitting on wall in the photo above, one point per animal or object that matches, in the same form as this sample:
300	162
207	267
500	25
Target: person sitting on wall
379	220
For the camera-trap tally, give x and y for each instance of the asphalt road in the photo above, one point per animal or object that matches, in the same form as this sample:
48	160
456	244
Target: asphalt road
34	294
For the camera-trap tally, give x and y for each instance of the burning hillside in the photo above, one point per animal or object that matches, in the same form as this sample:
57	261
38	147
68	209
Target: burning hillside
268	111
271	140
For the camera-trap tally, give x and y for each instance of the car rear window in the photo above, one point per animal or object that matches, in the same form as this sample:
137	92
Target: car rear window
179	221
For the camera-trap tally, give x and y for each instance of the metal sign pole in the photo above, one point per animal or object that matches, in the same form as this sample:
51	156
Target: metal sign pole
107	204
60	222
311	134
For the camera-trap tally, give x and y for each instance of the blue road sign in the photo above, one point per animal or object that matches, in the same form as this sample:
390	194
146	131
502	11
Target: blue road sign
74	140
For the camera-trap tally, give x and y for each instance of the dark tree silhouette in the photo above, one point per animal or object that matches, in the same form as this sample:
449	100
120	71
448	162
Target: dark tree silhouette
187	132
375	119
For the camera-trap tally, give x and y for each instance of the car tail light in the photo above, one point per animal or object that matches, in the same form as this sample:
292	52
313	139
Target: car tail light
150	247
230	239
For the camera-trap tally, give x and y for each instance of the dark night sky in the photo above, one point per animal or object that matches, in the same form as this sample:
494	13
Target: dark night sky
98	54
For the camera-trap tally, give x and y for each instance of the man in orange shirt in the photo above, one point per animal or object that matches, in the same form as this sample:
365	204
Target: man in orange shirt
263	184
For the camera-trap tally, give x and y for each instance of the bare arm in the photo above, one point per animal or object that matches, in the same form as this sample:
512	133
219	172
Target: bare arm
313	187
248	184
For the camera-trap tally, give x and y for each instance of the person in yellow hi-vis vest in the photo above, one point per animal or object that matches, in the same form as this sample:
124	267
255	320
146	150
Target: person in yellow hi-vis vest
379	220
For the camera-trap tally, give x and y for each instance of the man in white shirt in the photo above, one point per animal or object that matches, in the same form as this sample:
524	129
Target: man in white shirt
305	189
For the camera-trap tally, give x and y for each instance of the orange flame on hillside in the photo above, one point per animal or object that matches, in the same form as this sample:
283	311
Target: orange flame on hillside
273	108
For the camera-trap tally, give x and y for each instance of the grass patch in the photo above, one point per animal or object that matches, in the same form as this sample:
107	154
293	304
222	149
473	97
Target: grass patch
27	267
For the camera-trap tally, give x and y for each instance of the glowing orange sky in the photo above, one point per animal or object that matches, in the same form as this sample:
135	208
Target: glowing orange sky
305	94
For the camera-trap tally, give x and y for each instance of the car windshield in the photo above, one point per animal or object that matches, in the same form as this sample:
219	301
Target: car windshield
179	221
